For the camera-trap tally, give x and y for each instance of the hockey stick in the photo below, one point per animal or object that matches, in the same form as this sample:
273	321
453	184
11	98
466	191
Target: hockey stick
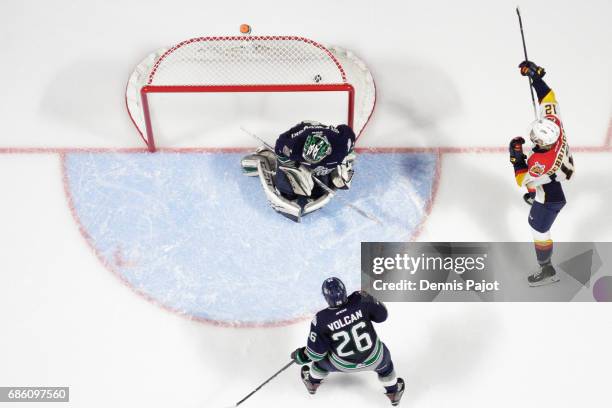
518	13
286	366
321	184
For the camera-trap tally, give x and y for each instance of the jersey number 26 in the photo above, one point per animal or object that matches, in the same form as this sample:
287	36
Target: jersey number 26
362	342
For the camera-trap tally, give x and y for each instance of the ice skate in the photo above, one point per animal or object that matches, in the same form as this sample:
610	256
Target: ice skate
546	275
396	396
310	385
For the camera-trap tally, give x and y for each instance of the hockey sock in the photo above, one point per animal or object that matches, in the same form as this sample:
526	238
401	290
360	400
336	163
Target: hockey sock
388	378
317	374
544	251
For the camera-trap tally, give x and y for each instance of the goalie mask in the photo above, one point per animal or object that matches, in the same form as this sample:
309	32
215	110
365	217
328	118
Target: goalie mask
316	148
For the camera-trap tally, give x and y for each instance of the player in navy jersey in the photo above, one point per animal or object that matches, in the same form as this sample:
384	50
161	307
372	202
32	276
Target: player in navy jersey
342	338
306	151
318	147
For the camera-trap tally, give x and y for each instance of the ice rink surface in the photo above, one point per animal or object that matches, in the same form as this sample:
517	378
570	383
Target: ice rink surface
192	232
78	221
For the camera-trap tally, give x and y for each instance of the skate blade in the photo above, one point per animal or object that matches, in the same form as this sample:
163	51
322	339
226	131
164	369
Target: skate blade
398	400
396	403
310	391
544	282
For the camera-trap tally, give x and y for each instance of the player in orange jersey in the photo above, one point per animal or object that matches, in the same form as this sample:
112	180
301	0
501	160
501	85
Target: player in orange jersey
542	171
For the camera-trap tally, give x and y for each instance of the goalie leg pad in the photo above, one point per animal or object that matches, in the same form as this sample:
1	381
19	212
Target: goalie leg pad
279	203
296	179
317	204
284	185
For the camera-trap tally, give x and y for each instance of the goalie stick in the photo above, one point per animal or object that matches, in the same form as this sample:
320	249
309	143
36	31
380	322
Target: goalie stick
321	184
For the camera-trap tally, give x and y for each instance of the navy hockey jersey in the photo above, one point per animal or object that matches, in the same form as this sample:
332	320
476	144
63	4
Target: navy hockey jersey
346	334
290	144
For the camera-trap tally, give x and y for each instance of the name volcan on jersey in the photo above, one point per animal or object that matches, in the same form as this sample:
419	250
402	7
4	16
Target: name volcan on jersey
345	320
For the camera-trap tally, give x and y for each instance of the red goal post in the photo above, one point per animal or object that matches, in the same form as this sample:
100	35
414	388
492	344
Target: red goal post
250	64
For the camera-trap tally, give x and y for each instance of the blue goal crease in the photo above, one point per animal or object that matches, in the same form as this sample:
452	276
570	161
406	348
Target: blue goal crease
193	233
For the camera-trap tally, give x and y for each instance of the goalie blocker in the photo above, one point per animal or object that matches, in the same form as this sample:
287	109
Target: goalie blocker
307	150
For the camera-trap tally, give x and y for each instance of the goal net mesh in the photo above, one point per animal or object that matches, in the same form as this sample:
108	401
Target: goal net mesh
247	61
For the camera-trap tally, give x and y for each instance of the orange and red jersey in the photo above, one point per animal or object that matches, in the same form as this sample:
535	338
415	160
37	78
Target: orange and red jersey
546	168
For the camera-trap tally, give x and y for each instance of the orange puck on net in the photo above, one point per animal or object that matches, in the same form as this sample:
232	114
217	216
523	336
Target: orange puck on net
245	29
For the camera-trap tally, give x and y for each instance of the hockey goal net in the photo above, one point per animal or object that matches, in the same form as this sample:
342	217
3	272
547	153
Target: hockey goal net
248	65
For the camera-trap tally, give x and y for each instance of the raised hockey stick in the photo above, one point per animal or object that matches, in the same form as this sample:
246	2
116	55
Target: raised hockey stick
322	185
518	13
286	366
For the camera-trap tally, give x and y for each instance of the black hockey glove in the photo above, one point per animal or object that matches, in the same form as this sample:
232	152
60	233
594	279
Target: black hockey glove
300	357
529	198
531	70
517	157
